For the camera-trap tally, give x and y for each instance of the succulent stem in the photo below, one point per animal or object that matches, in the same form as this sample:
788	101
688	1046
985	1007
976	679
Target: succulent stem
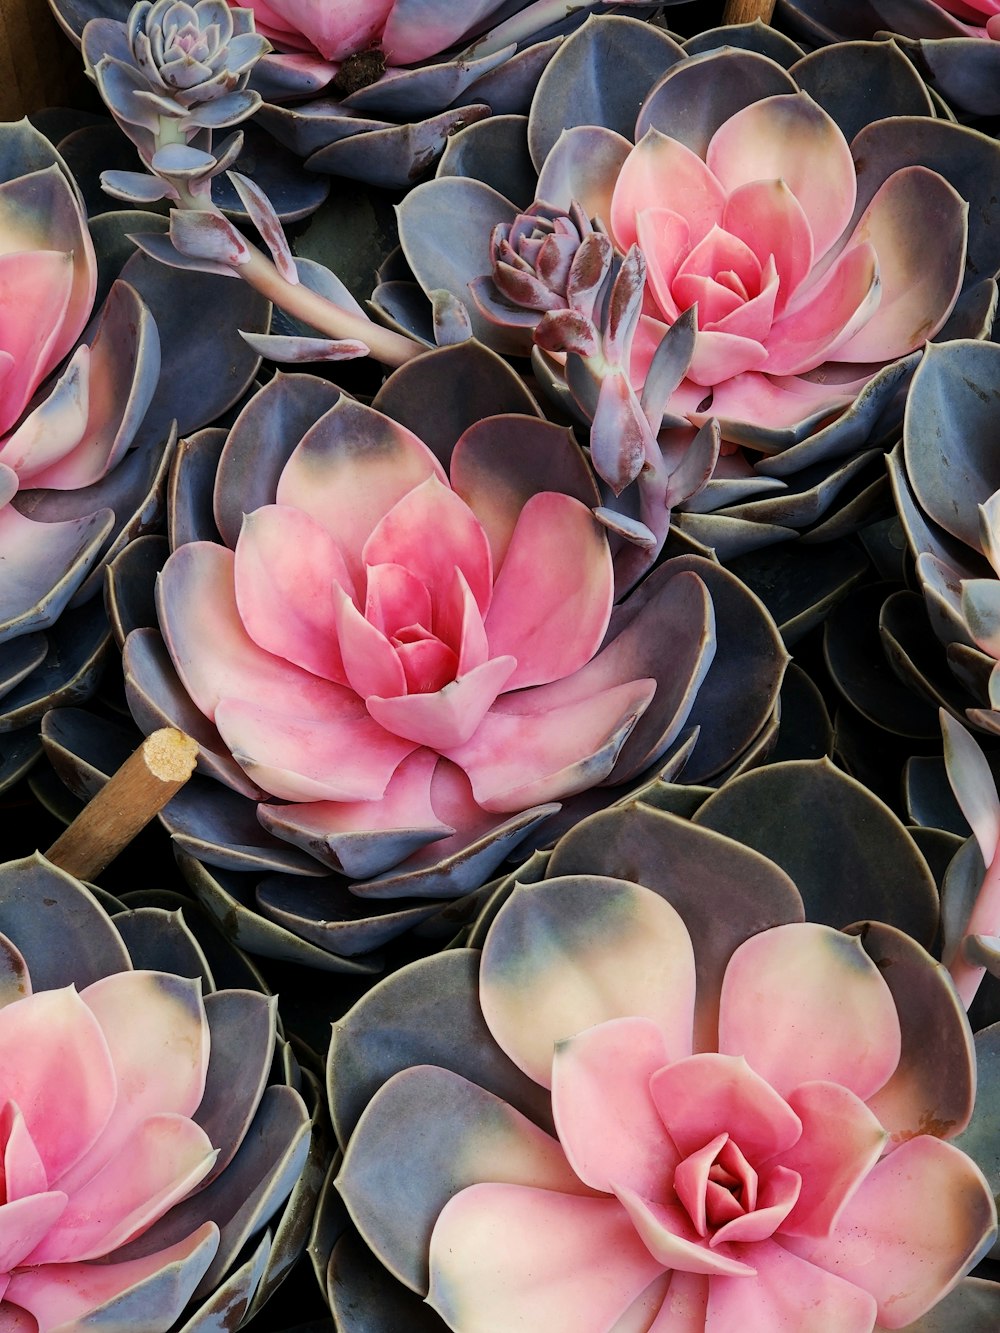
392	349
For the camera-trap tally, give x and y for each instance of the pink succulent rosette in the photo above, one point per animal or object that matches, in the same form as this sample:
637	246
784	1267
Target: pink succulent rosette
145	1137
394	659
721	1158
99	1089
760	233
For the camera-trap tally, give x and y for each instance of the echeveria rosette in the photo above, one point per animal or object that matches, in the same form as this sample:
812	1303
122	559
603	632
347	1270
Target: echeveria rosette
74	388
307	875
145	1138
373	662
950	41
654	1120
728	190
171	73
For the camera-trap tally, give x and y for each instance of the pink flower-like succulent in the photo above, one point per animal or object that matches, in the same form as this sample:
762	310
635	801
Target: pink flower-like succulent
98	1092
398	655
721	1160
48	279
762	233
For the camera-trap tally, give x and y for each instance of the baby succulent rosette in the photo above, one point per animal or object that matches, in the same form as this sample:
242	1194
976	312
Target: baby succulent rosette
822	237
952	42
664	1102
401	656
97	359
149	1146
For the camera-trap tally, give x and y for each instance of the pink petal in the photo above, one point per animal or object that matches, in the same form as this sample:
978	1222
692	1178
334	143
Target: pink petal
684	1305
561	553
753	319
431	532
784	1287
395	598
693	1183
719	356
667	1233
350	469
371	663
756	399
507	1257
663	173
833	310
39	281
710	1094
23	1169
285	565
24	1223
59	1294
158	1036
362	838
665	239
804	1002
922	1217
428	664
160	1162
769	218
790	138
549	973
717	252
841	1141
450	717
518	758
918	224
336	28
340	755
609	1127
55	1064
53	428
714	300
214	655
775	1200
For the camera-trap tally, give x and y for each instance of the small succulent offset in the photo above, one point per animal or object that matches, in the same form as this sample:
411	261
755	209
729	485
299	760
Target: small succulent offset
641	1117
144	1140
170	76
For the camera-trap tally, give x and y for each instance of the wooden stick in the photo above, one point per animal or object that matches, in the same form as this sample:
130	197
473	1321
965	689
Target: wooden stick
745	11
126	803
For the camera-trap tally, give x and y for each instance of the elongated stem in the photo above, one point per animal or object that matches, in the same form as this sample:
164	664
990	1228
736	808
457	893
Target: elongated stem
392	349
126	803
745	11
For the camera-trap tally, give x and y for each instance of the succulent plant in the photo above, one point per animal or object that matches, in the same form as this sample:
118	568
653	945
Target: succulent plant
590	1080
170	75
86	410
695	180
486	731
148	1142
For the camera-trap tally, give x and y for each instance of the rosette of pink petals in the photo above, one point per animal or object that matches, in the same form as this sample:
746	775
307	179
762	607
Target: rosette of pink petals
399	655
98	1143
720	1158
48	280
761	232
